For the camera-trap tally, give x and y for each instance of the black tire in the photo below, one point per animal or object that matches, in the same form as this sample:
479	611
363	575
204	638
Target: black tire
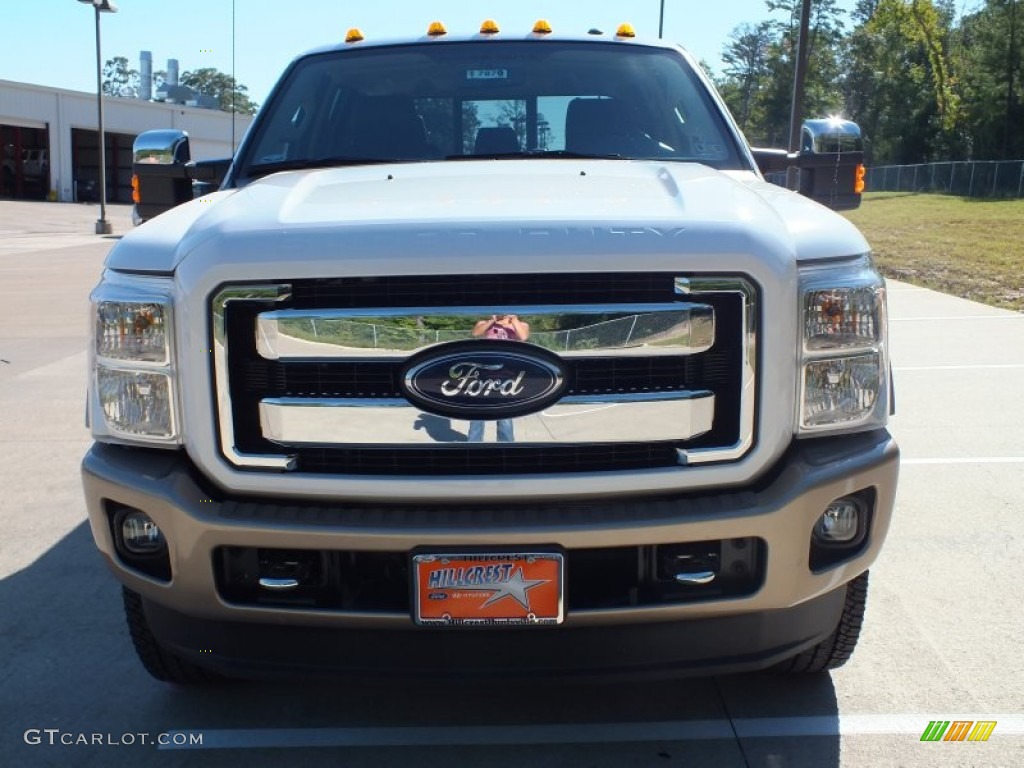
836	649
158	661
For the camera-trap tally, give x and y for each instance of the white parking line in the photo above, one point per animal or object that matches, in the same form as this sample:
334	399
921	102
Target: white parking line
965	460
955	317
978	367
585	733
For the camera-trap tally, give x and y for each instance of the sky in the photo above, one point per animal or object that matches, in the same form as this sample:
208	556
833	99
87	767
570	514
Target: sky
52	42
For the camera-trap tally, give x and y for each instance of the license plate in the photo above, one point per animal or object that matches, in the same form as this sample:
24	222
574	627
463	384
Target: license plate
491	588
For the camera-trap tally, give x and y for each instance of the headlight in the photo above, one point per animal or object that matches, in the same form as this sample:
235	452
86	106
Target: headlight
844	380
132	395
132	331
136	403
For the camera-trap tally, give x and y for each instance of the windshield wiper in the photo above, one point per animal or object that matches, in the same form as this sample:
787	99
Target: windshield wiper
262	169
539	153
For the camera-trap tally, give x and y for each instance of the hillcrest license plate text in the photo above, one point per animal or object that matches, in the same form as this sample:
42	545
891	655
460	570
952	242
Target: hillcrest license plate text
487	588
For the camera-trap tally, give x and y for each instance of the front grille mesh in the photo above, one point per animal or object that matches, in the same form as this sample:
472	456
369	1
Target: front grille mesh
483	290
487	460
596	375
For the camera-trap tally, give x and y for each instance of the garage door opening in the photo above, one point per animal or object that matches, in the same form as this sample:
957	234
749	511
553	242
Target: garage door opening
26	162
85	162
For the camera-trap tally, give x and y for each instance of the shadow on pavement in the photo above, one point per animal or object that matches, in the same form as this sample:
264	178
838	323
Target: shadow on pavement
70	666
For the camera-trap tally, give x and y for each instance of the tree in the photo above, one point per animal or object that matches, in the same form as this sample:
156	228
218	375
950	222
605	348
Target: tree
900	85
822	93
766	55
864	10
931	31
514	115
922	85
746	66
437	116
230	95
989	56
119	79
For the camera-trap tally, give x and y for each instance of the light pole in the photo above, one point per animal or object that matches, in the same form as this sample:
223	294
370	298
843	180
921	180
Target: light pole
661	20
799	76
101	6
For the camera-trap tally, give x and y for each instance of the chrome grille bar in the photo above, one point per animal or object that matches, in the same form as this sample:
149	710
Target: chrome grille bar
676	328
646	417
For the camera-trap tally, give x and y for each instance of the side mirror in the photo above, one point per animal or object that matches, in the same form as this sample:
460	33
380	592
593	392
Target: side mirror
773	161
159	178
831	163
208	175
835	180
164	176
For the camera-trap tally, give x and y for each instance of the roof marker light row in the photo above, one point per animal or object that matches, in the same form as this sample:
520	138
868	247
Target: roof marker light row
489	27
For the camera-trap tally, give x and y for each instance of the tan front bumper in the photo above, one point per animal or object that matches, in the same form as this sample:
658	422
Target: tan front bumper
781	510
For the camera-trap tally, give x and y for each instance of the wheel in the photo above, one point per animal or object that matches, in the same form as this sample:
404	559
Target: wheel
158	661
836	649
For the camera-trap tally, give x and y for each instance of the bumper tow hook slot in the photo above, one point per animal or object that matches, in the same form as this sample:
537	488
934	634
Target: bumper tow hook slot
686	577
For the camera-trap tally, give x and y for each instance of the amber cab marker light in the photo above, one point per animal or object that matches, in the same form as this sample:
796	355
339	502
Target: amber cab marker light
436	29
353	35
625	30
489	27
859	184
542	27
136	197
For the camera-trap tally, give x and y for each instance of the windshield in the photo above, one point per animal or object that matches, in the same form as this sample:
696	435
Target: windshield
449	101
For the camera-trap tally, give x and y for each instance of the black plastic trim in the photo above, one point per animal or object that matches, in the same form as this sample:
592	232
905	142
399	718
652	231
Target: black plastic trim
736	643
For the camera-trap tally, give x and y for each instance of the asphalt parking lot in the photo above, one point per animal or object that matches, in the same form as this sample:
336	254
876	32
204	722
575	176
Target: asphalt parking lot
943	637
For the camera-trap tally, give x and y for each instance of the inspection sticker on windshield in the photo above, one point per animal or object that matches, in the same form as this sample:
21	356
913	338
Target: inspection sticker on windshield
478	589
487	74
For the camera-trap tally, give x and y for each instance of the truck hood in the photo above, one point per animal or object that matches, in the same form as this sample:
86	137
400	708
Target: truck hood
584	207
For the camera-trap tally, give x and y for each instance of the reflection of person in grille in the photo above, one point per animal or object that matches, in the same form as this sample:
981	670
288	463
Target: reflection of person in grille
503	327
510	328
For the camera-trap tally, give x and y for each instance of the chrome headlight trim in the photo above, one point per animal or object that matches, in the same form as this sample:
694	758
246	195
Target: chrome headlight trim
856	331
122	291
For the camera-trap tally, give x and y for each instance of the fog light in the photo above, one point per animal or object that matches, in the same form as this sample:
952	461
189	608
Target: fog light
839	523
140	534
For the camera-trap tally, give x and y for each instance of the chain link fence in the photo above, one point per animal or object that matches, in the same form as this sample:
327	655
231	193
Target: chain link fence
603	334
973	178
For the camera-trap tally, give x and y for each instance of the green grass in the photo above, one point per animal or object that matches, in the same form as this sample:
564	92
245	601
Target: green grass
966	247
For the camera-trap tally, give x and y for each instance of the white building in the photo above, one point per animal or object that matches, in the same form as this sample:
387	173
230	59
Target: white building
48	138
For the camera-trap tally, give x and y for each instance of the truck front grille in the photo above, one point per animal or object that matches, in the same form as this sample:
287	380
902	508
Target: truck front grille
309	372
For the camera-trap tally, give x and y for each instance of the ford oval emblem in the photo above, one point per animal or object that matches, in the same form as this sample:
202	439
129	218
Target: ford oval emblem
483	379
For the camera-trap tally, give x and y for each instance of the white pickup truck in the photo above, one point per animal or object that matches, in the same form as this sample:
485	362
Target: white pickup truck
490	354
